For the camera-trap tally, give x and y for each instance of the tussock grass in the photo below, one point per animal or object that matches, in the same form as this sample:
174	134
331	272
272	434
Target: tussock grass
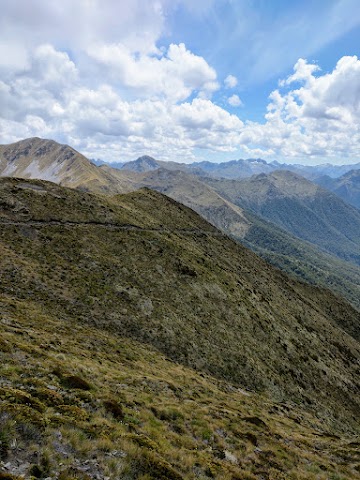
163	420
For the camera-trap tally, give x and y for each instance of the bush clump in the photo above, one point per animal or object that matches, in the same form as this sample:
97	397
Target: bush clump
115	409
155	466
74	381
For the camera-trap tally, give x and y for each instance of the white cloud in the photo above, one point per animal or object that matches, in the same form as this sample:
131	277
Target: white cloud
176	74
230	81
303	71
235	101
51	98
107	86
319	119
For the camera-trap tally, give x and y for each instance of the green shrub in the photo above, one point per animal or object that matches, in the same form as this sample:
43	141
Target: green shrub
113	407
74	381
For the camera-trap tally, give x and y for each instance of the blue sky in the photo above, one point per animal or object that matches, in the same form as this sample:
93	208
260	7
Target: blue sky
184	80
260	41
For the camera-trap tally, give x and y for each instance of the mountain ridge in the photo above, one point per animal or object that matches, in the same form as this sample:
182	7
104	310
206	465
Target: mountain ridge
347	187
238	169
299	207
232	169
277	246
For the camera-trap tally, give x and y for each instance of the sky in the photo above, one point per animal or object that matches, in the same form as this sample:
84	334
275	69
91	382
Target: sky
184	80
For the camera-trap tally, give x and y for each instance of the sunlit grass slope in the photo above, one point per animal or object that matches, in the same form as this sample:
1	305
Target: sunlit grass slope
82	403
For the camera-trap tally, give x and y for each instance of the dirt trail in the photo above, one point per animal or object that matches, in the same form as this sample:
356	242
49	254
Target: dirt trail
114	226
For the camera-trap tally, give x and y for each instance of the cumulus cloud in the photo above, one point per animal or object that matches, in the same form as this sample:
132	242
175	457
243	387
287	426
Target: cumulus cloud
176	74
235	101
50	98
230	81
321	118
303	71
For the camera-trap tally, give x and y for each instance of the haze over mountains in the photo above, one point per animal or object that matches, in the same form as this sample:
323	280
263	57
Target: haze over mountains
346	187
234	169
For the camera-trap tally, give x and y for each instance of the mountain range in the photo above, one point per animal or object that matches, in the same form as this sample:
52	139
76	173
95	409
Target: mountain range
300	207
346	187
234	169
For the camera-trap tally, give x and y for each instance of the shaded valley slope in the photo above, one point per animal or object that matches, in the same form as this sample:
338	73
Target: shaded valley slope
300	207
346	187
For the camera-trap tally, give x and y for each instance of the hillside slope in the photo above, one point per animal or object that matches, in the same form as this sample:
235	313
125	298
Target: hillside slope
151	269
300	207
346	187
195	194
285	251
80	402
292	255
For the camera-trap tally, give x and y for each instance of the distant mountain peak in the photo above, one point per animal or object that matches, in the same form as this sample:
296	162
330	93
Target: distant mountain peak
144	163
146	158
47	160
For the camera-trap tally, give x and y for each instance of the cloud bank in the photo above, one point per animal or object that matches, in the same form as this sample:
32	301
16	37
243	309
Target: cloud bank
114	94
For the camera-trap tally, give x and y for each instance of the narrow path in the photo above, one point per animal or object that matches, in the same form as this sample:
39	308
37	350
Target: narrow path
113	226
